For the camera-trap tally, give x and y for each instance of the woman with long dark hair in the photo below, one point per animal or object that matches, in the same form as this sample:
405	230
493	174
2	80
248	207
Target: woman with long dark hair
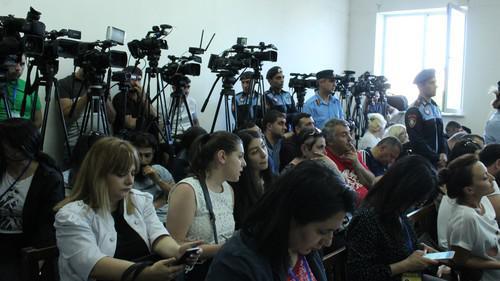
282	236
201	207
31	185
254	177
380	240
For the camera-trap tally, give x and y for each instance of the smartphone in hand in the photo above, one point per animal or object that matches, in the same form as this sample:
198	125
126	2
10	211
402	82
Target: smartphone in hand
191	251
440	255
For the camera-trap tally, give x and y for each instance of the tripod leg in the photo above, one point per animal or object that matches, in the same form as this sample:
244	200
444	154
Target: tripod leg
61	116
216	113
48	92
8	113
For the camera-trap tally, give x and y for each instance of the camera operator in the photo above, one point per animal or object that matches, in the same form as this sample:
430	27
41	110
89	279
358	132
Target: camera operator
324	106
69	88
247	107
424	123
184	84
373	104
14	93
133	110
492	129
276	97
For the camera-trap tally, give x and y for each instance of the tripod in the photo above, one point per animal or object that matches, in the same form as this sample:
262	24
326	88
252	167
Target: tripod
251	109
227	91
161	131
178	99
357	116
300	93
4	97
45	72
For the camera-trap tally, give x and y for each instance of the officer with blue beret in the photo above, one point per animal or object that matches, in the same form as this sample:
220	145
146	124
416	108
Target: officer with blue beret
324	106
424	123
276	97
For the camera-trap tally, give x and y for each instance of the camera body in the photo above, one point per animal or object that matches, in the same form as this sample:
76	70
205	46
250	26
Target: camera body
302	81
32	28
241	56
152	44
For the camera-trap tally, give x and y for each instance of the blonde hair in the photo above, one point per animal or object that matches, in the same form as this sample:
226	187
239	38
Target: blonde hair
397	131
376	121
109	155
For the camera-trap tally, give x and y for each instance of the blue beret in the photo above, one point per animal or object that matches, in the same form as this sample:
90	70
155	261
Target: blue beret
273	71
246	75
424	75
325	74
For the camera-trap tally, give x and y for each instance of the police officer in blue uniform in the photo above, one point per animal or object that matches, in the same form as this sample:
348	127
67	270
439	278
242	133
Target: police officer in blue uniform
247	105
324	106
276	97
424	123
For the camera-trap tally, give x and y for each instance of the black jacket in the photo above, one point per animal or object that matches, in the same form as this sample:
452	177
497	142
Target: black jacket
239	260
425	128
46	190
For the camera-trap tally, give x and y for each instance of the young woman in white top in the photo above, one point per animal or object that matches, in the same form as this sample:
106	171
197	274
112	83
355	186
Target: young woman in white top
215	159
105	224
472	230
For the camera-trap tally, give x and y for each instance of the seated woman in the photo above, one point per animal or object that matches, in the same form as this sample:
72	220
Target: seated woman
201	207
374	131
30	186
254	177
283	234
381	244
472	230
312	145
105	224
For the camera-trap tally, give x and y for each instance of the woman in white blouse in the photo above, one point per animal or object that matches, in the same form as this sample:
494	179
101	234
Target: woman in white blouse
215	159
472	231
104	224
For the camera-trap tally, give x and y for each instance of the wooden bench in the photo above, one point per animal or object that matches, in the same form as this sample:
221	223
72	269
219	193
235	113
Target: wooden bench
335	264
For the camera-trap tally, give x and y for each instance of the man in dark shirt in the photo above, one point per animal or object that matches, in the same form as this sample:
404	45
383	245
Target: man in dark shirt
274	125
290	148
133	110
424	123
379	158
74	89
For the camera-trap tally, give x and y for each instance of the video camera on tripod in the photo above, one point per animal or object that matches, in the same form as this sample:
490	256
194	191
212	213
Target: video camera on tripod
151	45
241	56
300	82
344	83
369	84
227	66
182	66
12	45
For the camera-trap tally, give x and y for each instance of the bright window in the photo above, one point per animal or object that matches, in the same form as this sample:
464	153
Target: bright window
408	42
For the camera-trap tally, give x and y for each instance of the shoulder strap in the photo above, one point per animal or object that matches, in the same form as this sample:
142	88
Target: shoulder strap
208	203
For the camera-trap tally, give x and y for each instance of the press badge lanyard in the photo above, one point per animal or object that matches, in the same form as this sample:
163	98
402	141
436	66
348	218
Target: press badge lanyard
308	271
16	180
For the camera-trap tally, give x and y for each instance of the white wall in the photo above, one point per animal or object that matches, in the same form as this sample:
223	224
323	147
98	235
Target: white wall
481	59
310	36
